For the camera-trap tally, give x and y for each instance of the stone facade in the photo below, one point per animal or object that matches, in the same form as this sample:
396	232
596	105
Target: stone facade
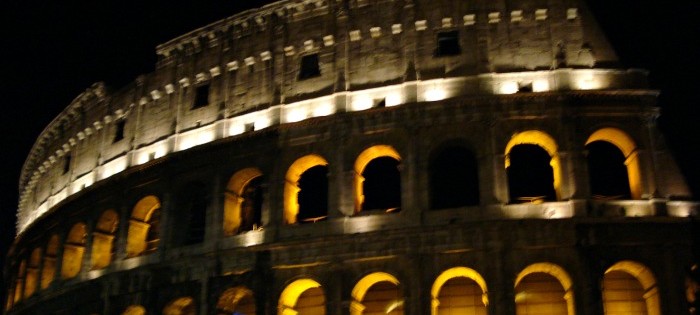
135	200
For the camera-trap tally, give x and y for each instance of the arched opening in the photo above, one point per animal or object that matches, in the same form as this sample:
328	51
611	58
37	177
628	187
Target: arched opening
454	178
544	288
238	300
181	306
190	217
134	310
48	272
311	204
32	278
243	202
533	168
302	297
143	236
73	251
613	165
629	288
103	240
313	195
692	289
378	179
459	290
377	293
19	282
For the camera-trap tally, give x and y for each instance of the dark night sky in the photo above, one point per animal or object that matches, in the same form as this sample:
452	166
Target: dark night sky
52	52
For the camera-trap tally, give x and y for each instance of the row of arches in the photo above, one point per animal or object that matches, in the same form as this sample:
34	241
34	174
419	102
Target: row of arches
628	288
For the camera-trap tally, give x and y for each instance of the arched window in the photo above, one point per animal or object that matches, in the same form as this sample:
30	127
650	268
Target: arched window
103	239
243	202
19	282
378	179
377	293
303	296
238	300
181	306
190	218
73	251
144	227
134	310
629	288
32	278
533	167
459	290
49	269
613	165
454	178
306	173
544	288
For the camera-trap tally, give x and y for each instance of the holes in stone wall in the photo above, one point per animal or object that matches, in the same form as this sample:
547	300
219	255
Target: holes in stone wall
313	195
309	67
201	96
607	172
530	175
448	44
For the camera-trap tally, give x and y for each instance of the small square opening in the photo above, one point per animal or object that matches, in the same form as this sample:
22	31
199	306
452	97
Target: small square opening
309	67
448	44
201	97
119	130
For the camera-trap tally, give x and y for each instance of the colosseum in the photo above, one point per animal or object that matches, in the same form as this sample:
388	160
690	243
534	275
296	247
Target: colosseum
362	157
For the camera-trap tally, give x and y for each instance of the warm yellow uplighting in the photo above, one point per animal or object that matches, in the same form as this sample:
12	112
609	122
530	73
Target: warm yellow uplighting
48	271
234	198
435	94
616	286
134	310
262	122
291	185
363	159
236	129
362	286
553	270
453	273
32	274
362	102
544	141
139	226
73	251
295	115
628	147
290	295
103	239
181	306
238	300
508	87
540	85
393	99
323	109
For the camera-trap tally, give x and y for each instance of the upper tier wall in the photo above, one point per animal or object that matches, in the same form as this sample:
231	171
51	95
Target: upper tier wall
356	54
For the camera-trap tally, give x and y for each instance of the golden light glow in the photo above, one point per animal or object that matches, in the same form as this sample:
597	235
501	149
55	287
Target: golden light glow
297	114
361	162
73	251
234	198
323	109
435	94
135	310
290	295
540	85
238	299
452	273
180	306
646	279
103	239
49	269
544	141
32	275
362	286
624	142
393	99
555	271
362	102
508	87
138	226
291	185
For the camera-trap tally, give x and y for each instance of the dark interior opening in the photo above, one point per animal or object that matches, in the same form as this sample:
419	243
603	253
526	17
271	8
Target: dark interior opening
313	195
119	130
607	171
201	97
309	67
251	207
382	185
448	44
454	179
530	177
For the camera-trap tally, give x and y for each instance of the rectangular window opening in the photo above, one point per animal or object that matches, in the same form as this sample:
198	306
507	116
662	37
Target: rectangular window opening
309	67
119	130
249	127
448	44
201	97
66	164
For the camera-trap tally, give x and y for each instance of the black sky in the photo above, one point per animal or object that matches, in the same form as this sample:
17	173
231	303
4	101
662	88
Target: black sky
51	51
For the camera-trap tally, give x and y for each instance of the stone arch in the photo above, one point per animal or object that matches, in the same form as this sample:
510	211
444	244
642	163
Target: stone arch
544	285
48	272
19	281
143	227
629	284
628	148
103	239
303	296
73	251
237	300
236	200
134	310
291	185
468	295
390	183
181	306
189	219
389	299
453	177
32	276
545	142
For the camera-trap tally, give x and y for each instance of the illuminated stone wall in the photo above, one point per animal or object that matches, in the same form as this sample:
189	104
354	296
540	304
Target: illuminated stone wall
185	192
